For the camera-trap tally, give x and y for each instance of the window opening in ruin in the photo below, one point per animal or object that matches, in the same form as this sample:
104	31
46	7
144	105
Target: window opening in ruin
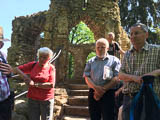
81	34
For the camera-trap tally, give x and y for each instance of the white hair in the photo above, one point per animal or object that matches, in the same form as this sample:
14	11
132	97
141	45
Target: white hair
111	33
103	40
45	50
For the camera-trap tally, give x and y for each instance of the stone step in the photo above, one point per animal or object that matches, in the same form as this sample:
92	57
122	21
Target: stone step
78	92
75	118
78	86
78	100
76	111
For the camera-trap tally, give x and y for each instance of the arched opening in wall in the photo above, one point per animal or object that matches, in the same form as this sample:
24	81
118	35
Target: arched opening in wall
79	35
70	66
90	55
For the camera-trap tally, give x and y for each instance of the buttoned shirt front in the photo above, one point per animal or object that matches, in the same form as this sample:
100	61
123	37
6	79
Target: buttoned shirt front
95	68
139	63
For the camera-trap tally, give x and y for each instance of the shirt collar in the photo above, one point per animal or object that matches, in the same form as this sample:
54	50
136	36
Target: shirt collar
106	57
145	47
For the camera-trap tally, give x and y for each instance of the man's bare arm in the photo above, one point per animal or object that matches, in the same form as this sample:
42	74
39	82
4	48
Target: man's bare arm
129	78
112	83
154	73
98	89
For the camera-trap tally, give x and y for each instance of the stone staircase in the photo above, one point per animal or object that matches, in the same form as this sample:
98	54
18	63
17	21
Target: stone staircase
77	105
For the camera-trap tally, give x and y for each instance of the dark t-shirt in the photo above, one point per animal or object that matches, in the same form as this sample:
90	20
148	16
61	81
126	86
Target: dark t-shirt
113	48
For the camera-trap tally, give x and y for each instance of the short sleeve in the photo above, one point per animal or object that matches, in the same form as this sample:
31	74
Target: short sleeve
124	63
117	67
26	68
87	70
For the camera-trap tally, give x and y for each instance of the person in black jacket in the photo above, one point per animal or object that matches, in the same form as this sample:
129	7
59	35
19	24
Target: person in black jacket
116	50
114	47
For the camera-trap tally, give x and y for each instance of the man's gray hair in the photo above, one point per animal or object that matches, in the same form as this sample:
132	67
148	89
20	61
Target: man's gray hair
143	26
45	50
103	40
112	34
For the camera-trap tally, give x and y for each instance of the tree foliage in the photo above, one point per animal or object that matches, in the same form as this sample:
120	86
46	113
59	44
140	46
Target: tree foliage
92	54
81	34
132	11
71	66
145	11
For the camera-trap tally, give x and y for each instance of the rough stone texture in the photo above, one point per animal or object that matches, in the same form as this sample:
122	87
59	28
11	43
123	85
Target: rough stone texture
16	116
101	16
21	108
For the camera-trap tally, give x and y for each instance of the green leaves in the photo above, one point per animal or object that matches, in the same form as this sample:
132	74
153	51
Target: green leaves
92	54
132	11
81	34
145	11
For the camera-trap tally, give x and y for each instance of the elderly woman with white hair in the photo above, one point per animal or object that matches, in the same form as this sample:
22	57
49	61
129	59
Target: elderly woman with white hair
41	85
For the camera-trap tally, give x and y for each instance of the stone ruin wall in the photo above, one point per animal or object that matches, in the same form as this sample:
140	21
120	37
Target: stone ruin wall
101	16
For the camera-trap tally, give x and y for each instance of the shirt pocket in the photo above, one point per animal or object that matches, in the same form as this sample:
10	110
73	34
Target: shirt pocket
107	72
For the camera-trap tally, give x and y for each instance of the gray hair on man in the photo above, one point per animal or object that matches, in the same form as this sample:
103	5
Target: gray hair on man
143	26
103	40
111	33
44	50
